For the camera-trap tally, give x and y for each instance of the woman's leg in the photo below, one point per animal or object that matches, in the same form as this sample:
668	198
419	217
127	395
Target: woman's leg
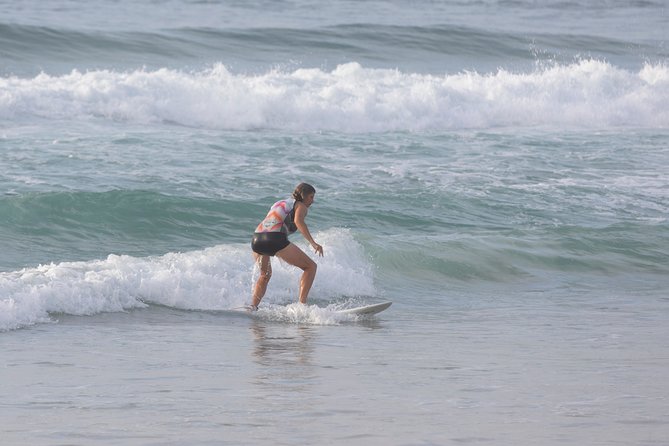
296	257
260	288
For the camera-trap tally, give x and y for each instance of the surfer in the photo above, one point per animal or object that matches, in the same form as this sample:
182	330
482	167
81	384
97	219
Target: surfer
271	239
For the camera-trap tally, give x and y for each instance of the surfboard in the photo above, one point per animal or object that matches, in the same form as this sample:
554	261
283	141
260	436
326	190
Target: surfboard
367	309
244	309
364	310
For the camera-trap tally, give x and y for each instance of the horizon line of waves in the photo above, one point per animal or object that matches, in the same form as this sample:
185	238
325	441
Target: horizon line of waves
370	40
584	94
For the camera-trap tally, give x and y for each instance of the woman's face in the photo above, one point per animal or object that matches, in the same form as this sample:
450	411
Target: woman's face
309	199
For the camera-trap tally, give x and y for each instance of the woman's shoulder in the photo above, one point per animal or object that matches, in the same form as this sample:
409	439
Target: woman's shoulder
300	206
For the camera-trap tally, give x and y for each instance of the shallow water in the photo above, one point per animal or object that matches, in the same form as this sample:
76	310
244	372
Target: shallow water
533	370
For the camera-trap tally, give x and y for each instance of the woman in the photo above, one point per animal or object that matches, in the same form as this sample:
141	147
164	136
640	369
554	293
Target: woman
271	238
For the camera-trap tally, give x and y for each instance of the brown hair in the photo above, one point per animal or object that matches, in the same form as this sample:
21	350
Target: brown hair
302	190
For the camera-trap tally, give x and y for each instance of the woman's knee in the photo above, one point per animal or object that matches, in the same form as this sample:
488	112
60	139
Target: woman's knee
265	269
311	266
264	277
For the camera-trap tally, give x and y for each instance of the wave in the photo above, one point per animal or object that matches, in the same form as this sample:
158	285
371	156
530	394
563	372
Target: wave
80	224
138	212
366	42
216	278
585	94
571	253
29	45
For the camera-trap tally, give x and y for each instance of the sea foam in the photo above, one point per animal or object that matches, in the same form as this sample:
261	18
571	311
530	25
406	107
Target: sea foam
351	98
216	278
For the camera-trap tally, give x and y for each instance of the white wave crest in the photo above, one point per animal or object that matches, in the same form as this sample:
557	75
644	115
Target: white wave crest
589	93
216	278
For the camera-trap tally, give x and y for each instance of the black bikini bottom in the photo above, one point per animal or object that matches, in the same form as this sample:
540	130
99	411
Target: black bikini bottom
269	243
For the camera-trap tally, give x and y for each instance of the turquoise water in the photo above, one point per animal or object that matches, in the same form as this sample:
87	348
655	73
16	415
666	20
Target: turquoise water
496	169
468	207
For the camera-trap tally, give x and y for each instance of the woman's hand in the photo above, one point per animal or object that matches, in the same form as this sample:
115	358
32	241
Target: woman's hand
318	248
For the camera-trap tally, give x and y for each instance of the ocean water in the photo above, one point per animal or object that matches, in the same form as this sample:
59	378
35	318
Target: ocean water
498	169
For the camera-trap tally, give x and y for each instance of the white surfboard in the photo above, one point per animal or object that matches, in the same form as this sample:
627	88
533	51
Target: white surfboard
367	309
364	310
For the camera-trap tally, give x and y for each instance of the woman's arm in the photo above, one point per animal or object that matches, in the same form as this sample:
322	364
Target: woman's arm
301	211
